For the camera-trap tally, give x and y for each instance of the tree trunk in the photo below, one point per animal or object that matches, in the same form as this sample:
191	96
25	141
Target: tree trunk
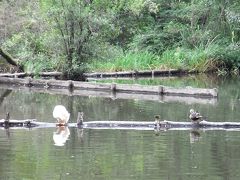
9	58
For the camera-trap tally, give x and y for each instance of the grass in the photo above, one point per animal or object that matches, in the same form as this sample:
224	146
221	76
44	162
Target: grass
200	59
130	61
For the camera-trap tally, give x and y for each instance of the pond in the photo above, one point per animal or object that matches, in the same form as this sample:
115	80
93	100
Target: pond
122	154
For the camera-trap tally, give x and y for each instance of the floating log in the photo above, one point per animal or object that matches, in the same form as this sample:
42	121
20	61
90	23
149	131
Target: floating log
162	125
114	96
131	78
6	123
135	125
24	74
138	73
112	87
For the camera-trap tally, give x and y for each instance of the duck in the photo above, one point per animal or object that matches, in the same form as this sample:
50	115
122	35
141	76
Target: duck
80	118
157	121
61	114
194	115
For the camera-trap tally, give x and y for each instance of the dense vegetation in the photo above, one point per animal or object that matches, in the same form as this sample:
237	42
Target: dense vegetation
112	35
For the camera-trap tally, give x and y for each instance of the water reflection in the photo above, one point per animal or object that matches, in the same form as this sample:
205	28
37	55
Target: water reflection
120	154
60	136
194	136
4	95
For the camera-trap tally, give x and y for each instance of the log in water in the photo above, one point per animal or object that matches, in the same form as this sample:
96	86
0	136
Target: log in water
135	125
112	87
152	73
25	74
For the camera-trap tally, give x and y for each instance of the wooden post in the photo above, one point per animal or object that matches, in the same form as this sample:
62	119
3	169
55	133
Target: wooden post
70	85
80	119
113	87
28	82
160	90
6	122
152	73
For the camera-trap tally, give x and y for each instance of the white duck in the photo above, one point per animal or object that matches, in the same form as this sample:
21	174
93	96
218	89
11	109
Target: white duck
61	114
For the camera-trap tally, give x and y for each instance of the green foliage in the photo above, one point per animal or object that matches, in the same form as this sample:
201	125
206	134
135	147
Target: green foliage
72	36
129	61
196	59
86	29
32	50
229	56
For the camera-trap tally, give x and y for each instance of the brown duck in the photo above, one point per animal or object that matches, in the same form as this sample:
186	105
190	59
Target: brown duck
194	115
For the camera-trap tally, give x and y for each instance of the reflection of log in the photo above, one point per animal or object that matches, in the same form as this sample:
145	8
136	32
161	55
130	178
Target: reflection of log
127	88
136	125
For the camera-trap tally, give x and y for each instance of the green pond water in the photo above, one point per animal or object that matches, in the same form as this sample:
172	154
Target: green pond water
122	154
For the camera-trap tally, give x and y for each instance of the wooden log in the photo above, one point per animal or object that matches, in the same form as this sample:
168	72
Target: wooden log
16	81
189	91
131	88
206	125
17	123
51	74
117	95
54	83
163	125
130	78
136	73
110	74
24	74
13	75
136	125
92	86
136	88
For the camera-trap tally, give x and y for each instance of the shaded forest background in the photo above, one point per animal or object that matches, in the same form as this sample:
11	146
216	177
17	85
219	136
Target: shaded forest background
112	35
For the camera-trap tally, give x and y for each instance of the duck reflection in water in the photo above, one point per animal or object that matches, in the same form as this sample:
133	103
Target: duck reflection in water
60	136
194	136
